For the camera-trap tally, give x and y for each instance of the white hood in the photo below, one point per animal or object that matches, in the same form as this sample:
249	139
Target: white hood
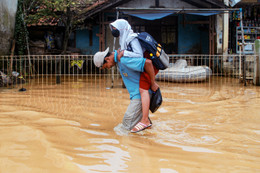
126	33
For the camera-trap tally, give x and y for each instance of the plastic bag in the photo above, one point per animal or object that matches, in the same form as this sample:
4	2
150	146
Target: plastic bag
156	100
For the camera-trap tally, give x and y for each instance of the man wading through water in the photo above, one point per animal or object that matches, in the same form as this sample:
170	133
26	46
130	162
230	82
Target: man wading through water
130	70
130	46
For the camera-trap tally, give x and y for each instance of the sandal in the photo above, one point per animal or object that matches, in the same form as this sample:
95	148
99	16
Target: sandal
140	126
150	121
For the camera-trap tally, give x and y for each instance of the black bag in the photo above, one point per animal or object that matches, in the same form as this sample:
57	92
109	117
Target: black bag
159	58
156	100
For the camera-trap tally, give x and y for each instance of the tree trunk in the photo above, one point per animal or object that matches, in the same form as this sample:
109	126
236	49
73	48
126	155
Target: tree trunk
67	31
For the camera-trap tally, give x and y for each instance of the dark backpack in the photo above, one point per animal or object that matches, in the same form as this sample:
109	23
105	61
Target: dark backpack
159	58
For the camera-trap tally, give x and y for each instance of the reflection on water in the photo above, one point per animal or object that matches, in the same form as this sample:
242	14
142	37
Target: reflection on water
75	127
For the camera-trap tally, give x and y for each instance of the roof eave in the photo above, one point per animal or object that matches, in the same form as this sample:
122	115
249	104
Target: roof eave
94	9
99	6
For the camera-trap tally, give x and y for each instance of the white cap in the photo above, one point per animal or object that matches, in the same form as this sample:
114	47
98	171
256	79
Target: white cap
99	58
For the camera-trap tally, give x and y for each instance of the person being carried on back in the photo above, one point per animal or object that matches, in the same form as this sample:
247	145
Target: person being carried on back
131	47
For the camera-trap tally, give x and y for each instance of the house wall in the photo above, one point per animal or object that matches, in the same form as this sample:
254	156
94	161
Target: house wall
192	38
83	41
249	0
7	23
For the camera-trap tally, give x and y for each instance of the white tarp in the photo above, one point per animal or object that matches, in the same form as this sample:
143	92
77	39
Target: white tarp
232	3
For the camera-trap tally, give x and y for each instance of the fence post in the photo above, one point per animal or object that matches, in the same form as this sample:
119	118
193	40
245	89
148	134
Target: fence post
58	63
256	79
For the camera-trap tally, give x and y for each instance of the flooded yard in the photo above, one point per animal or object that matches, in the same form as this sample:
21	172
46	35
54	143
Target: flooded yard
72	127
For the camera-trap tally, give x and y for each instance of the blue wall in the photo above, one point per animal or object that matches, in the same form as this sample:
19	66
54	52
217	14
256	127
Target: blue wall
193	38
82	41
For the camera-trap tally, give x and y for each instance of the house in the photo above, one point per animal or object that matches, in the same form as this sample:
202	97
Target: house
45	37
181	26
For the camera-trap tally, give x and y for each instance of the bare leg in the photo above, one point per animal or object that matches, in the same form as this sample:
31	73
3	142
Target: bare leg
145	98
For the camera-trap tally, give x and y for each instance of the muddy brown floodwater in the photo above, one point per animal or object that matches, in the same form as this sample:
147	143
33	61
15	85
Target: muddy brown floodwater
72	127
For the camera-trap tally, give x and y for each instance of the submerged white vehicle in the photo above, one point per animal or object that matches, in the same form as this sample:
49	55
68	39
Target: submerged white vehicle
181	72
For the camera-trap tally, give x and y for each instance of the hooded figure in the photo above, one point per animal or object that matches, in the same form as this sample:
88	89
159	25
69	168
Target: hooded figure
128	40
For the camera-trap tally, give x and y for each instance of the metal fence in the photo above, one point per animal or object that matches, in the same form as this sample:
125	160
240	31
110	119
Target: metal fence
15	69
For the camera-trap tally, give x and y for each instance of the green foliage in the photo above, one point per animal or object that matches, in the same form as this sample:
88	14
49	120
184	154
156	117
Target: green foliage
44	10
20	30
